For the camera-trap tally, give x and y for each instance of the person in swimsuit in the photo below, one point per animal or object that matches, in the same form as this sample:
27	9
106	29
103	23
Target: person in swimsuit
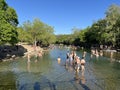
78	63
67	57
83	66
71	59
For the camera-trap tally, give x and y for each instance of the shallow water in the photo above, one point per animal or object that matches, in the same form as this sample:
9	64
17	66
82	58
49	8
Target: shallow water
48	74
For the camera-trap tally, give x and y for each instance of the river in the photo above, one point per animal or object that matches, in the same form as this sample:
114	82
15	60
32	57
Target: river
46	73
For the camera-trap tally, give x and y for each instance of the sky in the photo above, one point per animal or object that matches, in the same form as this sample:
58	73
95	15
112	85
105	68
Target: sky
63	15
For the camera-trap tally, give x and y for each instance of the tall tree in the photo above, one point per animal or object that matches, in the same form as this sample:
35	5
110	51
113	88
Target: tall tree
112	16
116	27
8	24
39	31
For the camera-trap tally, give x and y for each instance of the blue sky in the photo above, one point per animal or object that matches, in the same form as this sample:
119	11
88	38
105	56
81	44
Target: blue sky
63	15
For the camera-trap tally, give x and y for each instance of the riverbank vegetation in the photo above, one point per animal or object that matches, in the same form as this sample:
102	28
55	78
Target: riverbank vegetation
36	32
33	33
105	31
8	24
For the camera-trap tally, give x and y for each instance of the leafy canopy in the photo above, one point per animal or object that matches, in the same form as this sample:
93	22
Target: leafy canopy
8	24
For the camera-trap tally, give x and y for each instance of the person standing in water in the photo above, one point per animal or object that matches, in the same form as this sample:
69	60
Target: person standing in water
67	55
101	53
97	53
28	57
77	63
84	54
83	66
74	57
71	59
59	59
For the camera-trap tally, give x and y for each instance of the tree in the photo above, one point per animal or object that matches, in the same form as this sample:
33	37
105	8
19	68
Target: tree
8	24
22	34
49	35
104	31
37	31
116	27
112	15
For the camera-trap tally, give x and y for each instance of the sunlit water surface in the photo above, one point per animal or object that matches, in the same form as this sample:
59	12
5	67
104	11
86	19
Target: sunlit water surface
47	74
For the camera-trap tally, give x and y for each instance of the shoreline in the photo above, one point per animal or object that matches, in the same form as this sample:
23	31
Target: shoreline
9	53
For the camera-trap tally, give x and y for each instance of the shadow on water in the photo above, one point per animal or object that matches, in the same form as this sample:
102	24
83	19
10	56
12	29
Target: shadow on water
46	84
42	84
85	87
37	86
23	87
81	80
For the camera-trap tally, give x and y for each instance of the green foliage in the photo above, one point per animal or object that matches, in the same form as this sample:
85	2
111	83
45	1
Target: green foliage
64	39
112	15
22	34
8	24
116	28
37	31
95	32
105	31
79	36
3	5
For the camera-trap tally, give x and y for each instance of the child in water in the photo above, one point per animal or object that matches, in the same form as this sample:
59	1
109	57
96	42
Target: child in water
59	59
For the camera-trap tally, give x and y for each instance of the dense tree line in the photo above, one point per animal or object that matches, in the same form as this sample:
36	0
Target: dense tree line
105	31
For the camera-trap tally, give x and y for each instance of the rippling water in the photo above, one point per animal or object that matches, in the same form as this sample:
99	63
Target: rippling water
48	74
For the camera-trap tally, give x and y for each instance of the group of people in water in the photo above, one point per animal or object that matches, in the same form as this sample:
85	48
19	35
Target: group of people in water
96	52
73	60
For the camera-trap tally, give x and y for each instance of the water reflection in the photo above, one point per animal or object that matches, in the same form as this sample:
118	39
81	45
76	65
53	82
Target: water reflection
83	81
37	86
108	72
28	67
77	77
49	74
69	67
